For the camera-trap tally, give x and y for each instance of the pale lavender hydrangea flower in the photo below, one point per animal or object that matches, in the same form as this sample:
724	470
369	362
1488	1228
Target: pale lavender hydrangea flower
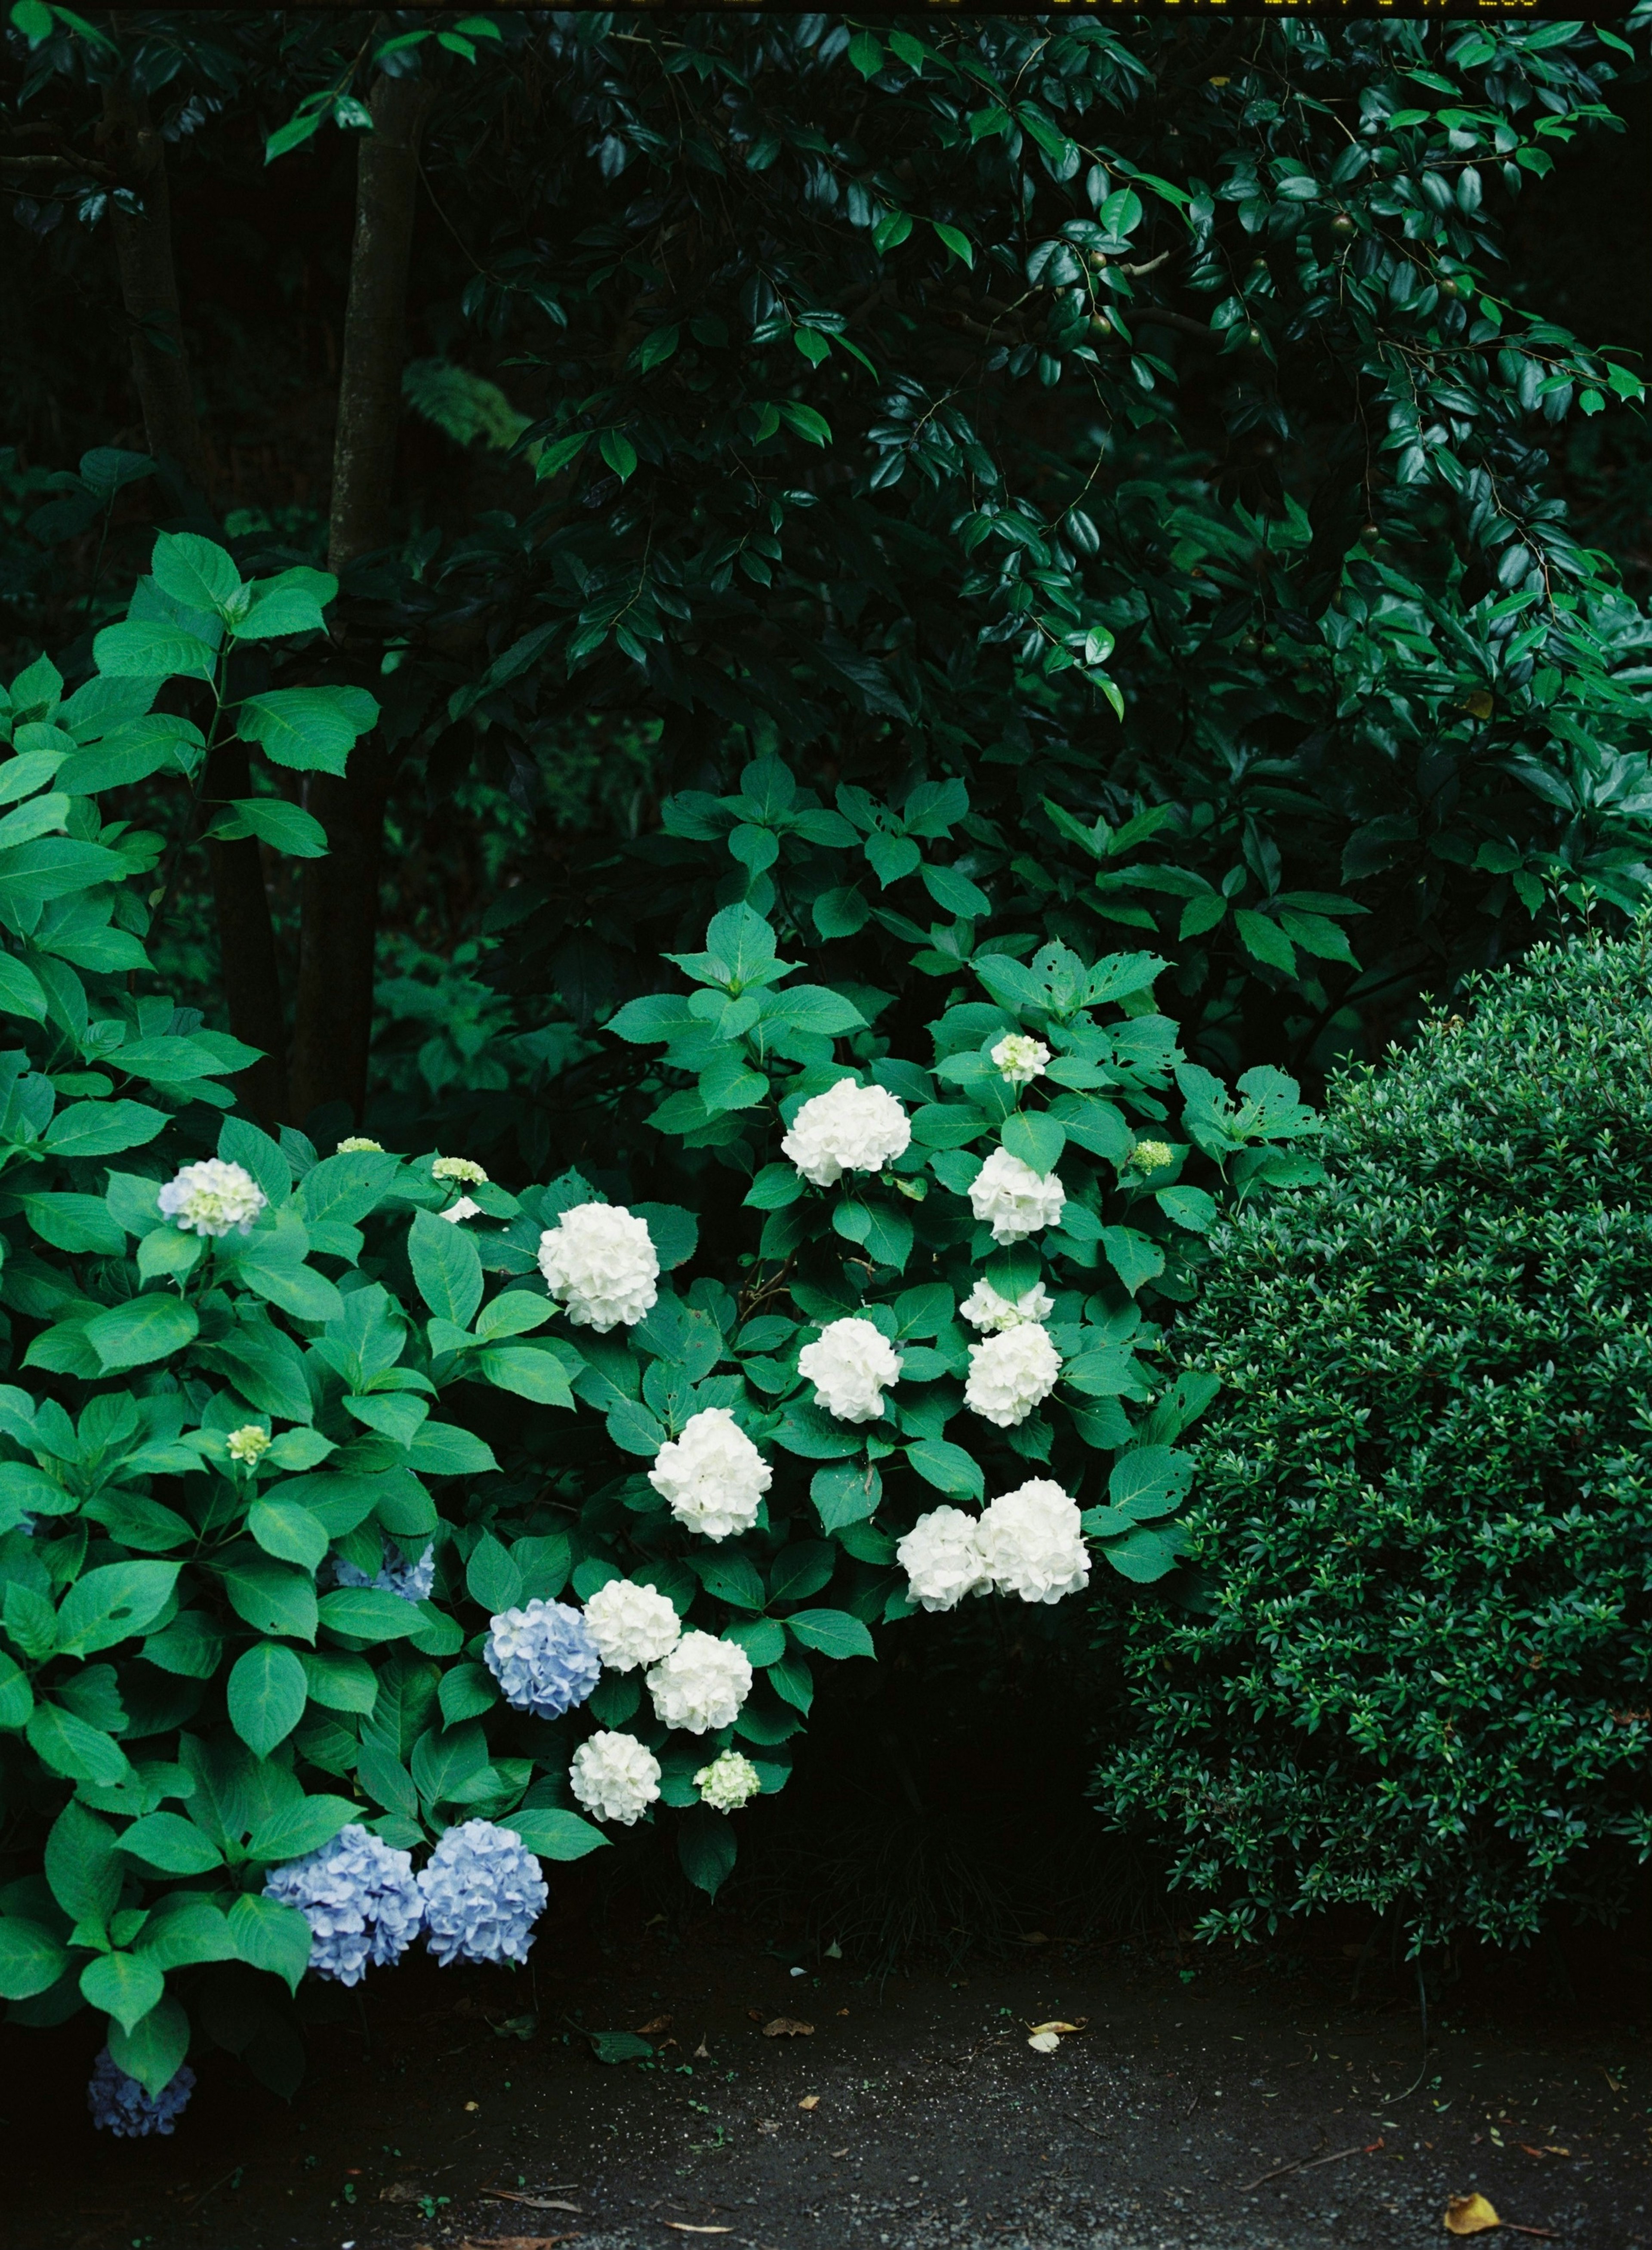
544	1657
118	2104
413	1581
483	1893
361	1899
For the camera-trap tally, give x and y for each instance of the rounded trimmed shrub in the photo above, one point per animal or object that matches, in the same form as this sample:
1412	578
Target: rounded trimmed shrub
1419	1681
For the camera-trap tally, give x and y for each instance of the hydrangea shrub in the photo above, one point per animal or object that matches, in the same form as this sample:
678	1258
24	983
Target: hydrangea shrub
371	1534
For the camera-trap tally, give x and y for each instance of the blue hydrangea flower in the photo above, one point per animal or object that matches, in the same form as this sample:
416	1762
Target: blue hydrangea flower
360	1898
544	1657
412	1581
118	2104
483	1893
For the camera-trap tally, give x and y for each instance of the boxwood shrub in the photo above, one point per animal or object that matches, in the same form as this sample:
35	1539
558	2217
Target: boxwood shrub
1420	1680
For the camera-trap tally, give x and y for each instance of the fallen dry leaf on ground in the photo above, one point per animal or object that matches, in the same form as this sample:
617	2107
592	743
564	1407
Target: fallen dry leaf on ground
1470	2214
788	2027
520	2241
809	2101
400	2192
533	2202
1044	2042
1056	2024
702	2053
681	2226
655	2026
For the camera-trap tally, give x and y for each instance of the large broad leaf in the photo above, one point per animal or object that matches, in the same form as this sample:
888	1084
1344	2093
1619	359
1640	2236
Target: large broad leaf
195	572
1150	1481
310	728
948	1467
125	1985
85	1876
103	1129
370	1613
145	1328
302	1826
532	1373
169	1842
149	648
270	1935
1036	1138
153	2050
292	603
843	1497
447	1268
288	1531
705	1848
266	1695
112	1603
274	1598
31	1958
830	1632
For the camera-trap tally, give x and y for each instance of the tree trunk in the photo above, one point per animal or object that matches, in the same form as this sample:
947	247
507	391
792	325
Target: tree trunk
341	893
172	429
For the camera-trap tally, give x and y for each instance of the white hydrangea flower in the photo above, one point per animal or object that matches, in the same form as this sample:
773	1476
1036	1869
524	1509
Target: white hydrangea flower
465	1208
357	1144
701	1685
849	1364
631	1624
1011	1373
1020	1058
1032	1544
848	1128
460	1169
712	1475
601	1261
615	1777
727	1782
247	1445
942	1559
1152	1155
213	1197
985	1308
1016	1200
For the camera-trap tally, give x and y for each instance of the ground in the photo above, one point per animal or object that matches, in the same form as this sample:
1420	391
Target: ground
1204	2104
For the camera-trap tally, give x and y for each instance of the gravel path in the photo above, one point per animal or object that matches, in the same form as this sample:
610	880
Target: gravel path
908	2118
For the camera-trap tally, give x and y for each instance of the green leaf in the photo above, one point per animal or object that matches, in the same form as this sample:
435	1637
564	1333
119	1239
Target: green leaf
948	1467
288	1531
294	1829
447	1268
125	1985
196	573
1133	1257
831	1632
31	1958
103	1129
145	1328
370	1613
146	649
273	1597
340	1683
618	2047
1265	941
1036	1138
293	602
112	1603
493	1579
266	1693
957	242
529	1371
443	1449
762	1638
705	1848
153	2050
846	1496
169	1842
1150	1481
68	1746
1189	1207
553	1833
618	452
81	1867
313	730
270	1935
20	991
285	827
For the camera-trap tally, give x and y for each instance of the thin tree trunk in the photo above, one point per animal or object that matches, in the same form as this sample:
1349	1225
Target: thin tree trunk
341	893
172	429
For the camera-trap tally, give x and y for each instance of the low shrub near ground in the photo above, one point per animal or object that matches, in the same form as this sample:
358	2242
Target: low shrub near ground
310	1560
1423	1684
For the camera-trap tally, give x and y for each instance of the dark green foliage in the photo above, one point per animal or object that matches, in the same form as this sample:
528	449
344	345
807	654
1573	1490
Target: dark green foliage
1422	1684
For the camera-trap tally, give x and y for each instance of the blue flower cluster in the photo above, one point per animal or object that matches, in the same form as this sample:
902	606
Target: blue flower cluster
483	1893
413	1581
360	1898
543	1657
118	2104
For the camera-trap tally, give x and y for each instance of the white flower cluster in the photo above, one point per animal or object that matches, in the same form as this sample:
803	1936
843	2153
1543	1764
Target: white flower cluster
630	1624
1020	1058
1015	1200
727	1782
985	1308
1152	1155
848	1128
213	1197
248	1444
713	1476
1029	1542
701	1685
941	1558
615	1777
466	1207
600	1260
357	1144
460	1169
1011	1373
848	1363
